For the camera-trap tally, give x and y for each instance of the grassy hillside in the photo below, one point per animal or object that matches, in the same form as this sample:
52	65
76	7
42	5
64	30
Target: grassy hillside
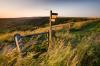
20	24
74	46
32	23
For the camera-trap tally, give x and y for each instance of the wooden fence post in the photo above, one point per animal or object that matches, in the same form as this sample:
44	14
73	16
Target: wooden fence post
17	37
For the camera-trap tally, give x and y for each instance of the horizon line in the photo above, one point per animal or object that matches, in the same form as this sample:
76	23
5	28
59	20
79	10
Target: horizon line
58	17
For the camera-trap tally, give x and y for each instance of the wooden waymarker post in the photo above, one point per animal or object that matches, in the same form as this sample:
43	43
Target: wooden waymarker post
17	37
53	16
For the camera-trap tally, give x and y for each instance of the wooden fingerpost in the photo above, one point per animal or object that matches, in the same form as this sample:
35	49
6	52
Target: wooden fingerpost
53	16
50	31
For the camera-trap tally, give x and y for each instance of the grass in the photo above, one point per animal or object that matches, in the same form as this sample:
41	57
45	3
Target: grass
74	27
85	53
77	47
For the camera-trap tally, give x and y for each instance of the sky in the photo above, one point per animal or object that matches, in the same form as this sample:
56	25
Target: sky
35	8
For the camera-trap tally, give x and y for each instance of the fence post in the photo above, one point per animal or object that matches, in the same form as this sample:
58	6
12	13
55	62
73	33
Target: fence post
17	36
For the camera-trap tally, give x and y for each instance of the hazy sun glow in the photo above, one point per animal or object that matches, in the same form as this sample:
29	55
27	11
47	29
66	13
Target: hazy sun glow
32	8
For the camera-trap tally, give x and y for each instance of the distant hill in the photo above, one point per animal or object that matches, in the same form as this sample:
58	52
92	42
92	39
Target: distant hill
31	23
